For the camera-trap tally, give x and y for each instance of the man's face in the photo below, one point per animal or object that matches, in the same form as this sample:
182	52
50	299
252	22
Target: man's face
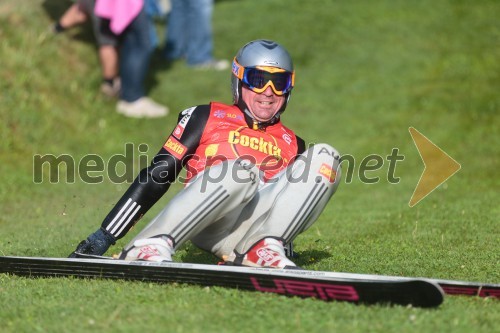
263	106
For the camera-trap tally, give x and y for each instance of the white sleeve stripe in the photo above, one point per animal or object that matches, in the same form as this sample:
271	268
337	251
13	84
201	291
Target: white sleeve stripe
109	226
128	220
124	216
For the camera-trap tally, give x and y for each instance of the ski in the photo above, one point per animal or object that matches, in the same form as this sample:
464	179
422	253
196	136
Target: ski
301	283
450	287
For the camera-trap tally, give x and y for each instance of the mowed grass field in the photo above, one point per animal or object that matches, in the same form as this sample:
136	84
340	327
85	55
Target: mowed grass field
366	72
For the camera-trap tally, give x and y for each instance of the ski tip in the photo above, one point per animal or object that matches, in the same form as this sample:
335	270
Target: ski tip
431	295
419	293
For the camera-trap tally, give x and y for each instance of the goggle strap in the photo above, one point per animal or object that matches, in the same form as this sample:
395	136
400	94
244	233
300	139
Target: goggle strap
237	69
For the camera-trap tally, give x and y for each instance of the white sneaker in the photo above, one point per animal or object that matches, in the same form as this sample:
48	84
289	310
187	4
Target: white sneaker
144	107
214	64
149	249
111	90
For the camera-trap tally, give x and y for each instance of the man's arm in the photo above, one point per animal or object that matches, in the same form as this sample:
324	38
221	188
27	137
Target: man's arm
301	145
154	181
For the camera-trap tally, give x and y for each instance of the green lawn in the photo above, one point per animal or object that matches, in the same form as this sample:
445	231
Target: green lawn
366	72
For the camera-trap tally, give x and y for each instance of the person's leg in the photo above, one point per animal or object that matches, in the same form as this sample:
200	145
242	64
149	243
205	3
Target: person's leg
107	43
199	41
285	208
108	57
176	30
213	194
136	49
109	60
135	53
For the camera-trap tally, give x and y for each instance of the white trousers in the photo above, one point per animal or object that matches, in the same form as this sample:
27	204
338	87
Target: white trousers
227	208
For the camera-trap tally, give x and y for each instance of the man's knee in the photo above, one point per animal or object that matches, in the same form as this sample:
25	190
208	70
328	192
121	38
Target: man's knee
324	152
326	163
319	160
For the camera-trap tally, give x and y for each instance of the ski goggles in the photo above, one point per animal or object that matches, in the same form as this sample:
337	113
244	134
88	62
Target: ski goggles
260	77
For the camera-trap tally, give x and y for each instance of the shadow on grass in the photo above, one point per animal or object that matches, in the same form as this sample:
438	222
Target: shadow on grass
56	8
158	64
189	253
192	254
310	257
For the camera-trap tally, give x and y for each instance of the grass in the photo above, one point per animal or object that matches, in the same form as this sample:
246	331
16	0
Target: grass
366	72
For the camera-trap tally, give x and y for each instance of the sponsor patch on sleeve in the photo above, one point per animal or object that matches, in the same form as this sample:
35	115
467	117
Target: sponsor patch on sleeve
179	129
174	147
326	171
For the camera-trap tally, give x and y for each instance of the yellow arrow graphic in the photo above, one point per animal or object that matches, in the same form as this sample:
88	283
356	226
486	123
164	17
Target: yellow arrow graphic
439	166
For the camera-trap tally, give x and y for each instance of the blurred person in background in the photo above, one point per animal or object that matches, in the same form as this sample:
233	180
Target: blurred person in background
126	38
82	11
189	34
